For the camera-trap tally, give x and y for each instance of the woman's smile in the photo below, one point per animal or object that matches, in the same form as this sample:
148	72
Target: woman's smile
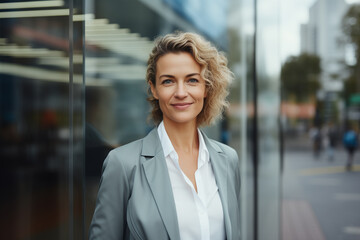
181	106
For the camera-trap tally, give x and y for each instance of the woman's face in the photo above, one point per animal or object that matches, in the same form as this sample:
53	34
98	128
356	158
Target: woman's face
179	87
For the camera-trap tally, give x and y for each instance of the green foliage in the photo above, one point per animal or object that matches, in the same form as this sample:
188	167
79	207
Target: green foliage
350	87
351	27
300	77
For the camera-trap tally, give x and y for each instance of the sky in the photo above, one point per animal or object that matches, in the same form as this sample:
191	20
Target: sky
293	14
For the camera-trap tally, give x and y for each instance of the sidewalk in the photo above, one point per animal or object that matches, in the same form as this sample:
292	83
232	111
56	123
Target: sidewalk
321	201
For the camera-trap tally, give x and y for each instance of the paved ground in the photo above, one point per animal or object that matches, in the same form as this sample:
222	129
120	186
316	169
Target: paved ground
321	200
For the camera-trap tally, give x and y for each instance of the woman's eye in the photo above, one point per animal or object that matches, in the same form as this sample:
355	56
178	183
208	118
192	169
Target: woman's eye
193	80
166	81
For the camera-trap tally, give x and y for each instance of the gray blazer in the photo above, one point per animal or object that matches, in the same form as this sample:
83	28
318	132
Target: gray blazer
135	199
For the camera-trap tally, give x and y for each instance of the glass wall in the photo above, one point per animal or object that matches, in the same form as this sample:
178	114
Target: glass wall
41	112
73	88
268	99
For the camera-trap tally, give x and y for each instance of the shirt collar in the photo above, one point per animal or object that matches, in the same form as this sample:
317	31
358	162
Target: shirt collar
203	151
168	148
165	140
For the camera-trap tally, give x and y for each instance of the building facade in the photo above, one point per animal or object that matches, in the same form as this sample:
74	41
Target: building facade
322	36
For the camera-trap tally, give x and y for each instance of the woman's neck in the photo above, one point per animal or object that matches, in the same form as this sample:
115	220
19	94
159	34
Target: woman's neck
184	137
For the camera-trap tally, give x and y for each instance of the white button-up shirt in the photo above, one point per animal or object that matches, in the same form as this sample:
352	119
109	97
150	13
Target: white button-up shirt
200	214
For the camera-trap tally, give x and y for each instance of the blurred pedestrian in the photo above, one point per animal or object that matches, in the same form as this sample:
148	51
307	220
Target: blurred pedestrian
175	183
331	140
225	129
350	141
315	136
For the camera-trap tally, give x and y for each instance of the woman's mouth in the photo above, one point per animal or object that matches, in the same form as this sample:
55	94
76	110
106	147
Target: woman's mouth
181	106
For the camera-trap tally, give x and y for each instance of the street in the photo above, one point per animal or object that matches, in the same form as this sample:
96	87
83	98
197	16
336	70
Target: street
321	200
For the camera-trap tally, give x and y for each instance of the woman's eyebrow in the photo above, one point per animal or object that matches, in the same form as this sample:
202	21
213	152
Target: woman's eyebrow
166	75
192	74
171	76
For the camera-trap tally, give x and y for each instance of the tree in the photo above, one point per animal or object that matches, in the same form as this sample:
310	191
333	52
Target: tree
351	28
300	77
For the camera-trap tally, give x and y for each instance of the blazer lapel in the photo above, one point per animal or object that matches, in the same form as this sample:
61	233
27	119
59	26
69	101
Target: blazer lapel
220	167
158	178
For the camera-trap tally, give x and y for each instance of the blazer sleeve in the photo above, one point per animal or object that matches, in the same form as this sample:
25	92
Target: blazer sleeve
235	162
237	176
109	220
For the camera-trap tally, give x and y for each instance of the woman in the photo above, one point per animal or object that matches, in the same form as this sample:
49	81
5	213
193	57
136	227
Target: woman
175	183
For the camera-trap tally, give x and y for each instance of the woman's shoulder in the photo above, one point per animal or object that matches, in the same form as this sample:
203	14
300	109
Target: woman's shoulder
127	155
128	148
221	147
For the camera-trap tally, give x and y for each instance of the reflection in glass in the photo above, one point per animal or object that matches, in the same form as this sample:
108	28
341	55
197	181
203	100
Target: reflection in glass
35	120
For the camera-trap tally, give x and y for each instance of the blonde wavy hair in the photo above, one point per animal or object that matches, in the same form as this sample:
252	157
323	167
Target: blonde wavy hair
214	71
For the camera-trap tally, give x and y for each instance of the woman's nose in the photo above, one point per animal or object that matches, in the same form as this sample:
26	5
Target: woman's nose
181	91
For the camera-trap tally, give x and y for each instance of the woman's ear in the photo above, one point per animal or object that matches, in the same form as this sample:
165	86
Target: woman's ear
153	90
